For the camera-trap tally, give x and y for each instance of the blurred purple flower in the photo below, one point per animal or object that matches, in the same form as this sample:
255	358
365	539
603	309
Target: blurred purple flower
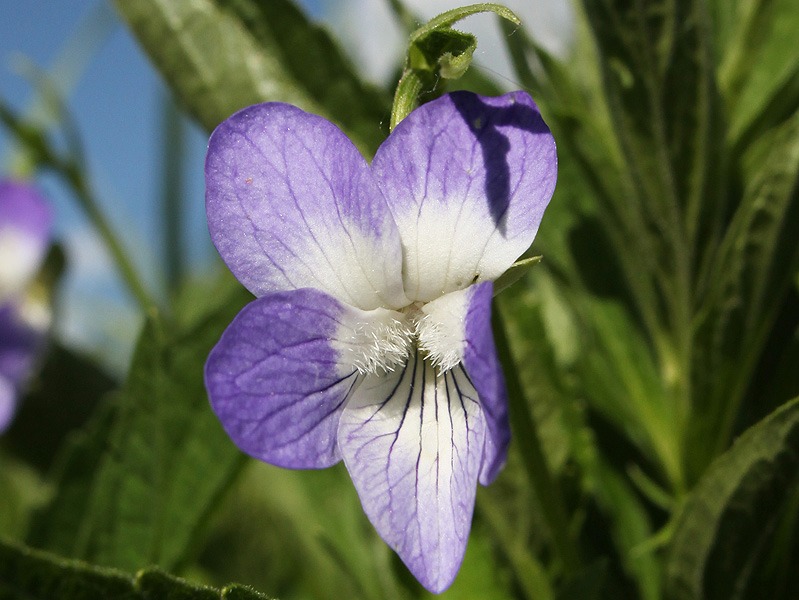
370	338
25	229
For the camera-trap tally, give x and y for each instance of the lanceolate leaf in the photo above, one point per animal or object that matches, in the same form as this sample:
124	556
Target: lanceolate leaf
658	75
27	574
137	489
222	55
740	518
659	79
747	282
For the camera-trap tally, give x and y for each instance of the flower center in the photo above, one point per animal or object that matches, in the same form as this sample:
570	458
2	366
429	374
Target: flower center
434	328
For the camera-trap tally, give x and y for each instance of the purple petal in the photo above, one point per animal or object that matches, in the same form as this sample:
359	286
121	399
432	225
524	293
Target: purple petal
276	382
20	344
467	179
481	362
291	203
412	442
280	374
25	229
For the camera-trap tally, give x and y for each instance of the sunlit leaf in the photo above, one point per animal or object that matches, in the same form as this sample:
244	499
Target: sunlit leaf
759	70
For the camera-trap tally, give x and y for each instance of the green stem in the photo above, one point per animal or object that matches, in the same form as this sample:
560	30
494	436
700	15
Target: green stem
125	266
172	191
406	98
526	438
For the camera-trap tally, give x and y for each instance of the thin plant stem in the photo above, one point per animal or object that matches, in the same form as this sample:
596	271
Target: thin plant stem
172	191
545	487
124	265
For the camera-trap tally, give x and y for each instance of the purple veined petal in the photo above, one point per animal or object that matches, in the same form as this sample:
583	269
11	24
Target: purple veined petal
467	179
482	364
25	229
412	442
280	374
291	203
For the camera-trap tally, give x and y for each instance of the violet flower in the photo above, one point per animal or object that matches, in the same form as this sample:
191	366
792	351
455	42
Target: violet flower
370	338
25	224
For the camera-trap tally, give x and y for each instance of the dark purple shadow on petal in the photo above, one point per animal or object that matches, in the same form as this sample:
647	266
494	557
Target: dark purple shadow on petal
275	382
483	116
483	368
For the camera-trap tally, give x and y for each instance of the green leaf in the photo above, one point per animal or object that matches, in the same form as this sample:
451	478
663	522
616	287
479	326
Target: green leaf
659	78
138	487
22	490
61	398
222	55
586	584
736	536
446	52
27	574
658	75
308	522
622	381
745	286
516	271
600	231
759	70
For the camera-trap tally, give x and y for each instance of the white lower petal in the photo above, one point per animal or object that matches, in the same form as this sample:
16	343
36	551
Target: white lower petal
412	441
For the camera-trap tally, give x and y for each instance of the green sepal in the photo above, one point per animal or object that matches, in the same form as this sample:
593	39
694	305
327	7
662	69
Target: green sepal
436	54
516	271
445	51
